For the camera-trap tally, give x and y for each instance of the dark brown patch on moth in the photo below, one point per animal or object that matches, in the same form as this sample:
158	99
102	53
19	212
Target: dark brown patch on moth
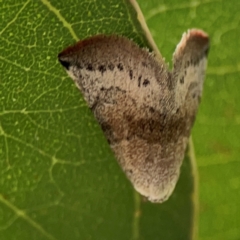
182	80
102	68
131	74
89	67
159	129
120	66
151	109
139	81
146	82
120	90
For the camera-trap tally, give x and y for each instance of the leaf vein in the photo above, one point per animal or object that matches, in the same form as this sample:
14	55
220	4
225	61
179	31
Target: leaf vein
61	18
16	17
23	215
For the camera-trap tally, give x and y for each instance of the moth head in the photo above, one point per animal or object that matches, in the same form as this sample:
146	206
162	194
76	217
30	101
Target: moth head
66	62
70	63
82	55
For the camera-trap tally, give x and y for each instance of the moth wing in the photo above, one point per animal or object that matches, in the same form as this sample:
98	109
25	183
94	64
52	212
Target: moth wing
127	89
142	108
103	64
189	66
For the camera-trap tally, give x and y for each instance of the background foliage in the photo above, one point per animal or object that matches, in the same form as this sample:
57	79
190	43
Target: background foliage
58	177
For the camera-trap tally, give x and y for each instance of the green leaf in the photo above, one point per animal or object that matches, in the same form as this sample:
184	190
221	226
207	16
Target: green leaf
58	176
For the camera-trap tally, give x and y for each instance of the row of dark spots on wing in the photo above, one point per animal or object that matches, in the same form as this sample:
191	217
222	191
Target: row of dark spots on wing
120	67
144	83
192	88
118	89
187	64
89	67
103	68
194	63
182	79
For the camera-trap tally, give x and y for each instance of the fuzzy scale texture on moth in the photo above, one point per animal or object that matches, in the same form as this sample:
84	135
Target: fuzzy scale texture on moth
146	111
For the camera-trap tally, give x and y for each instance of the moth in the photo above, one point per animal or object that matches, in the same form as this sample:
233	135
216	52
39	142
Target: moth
145	111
